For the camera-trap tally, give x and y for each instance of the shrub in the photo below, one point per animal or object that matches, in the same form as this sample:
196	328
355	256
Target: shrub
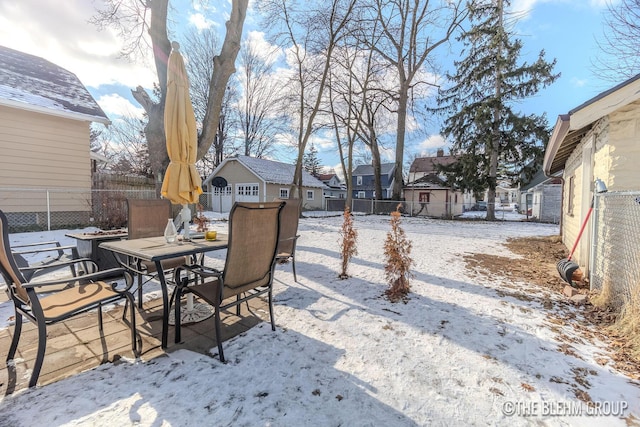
348	244
397	251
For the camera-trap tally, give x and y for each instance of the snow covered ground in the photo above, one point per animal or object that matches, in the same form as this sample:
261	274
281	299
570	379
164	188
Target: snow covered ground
459	352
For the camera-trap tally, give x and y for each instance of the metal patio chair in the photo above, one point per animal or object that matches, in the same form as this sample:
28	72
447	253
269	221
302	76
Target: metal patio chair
48	302
148	218
288	236
248	269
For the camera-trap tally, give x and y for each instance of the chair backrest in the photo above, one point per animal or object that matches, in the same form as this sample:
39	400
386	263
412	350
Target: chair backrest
8	267
147	217
289	219
253	239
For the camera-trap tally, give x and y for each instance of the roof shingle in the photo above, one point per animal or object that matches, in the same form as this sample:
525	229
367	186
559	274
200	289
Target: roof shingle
37	82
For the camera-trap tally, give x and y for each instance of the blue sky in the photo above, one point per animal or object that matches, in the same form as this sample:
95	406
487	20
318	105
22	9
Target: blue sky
59	31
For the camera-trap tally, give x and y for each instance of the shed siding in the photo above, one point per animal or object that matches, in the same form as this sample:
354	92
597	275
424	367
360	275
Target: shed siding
43	152
235	173
550	205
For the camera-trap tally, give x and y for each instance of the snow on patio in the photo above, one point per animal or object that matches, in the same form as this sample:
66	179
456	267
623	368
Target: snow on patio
464	350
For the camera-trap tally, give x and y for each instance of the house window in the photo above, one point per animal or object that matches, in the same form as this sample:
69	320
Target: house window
247	189
424	197
358	180
284	193
361	195
309	194
571	195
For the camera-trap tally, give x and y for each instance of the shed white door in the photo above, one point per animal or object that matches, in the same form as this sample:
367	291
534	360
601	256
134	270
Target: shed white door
247	192
221	199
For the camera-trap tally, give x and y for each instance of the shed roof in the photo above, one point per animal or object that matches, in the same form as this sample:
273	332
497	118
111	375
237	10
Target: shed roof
270	171
31	83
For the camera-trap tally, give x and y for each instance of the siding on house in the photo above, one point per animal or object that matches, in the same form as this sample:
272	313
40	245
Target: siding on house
624	148
45	152
443	202
614	160
602	167
368	182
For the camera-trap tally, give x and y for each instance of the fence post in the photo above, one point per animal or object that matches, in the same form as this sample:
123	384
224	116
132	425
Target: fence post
594	238
48	212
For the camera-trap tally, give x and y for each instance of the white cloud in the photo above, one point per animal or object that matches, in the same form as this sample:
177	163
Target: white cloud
60	32
268	52
322	142
433	142
576	82
201	22
114	104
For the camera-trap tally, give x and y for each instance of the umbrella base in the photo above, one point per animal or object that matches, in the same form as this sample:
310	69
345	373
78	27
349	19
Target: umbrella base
199	313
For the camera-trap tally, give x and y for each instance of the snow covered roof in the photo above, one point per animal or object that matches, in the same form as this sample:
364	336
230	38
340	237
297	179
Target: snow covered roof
35	84
272	172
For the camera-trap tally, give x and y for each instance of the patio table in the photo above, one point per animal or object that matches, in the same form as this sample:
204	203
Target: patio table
156	249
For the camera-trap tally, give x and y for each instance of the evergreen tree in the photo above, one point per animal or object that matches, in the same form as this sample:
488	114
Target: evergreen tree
480	121
310	161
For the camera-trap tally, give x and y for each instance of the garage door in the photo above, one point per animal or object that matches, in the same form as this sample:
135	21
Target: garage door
247	192
221	199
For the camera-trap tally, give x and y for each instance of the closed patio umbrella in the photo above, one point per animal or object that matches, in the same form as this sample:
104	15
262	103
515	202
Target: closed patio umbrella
182	184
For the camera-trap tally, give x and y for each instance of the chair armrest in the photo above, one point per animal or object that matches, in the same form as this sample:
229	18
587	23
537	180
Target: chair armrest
196	269
103	274
58	249
55	265
27	245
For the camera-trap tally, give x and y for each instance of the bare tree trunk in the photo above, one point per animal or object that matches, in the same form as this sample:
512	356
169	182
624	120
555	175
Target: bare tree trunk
223	68
400	130
495	131
154	130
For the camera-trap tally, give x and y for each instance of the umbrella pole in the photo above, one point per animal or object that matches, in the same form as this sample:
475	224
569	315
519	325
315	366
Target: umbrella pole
186	218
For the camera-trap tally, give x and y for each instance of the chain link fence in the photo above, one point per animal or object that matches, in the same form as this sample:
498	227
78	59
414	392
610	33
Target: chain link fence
46	209
434	209
615	256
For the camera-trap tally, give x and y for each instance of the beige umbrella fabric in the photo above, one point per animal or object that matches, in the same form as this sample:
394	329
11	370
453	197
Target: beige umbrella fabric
181	184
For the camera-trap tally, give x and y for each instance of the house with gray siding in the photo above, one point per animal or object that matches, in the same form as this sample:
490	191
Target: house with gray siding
364	183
